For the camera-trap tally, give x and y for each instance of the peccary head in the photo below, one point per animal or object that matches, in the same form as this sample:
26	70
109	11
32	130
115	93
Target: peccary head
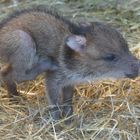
99	53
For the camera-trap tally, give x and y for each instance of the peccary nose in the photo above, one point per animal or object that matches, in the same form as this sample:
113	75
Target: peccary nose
134	71
132	75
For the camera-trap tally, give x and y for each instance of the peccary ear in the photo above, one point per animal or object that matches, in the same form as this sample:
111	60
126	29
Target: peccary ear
76	42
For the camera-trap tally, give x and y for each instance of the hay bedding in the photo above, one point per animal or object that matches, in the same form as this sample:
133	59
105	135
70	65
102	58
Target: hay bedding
108	110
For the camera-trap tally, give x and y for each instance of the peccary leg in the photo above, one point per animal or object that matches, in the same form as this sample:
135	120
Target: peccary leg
6	78
26	64
54	95
59	97
11	87
22	56
67	101
6	74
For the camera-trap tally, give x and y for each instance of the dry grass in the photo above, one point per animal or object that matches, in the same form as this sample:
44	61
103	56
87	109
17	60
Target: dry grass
108	110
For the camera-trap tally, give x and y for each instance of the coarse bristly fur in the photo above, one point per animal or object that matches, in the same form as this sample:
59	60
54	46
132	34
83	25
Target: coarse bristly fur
38	40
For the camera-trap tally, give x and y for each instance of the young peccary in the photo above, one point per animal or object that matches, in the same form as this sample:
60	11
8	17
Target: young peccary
37	40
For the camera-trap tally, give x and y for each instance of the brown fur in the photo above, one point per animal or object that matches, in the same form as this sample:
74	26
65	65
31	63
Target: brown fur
6	69
37	40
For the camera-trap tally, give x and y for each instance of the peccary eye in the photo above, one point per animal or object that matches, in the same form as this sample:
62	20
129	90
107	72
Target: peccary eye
110	57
